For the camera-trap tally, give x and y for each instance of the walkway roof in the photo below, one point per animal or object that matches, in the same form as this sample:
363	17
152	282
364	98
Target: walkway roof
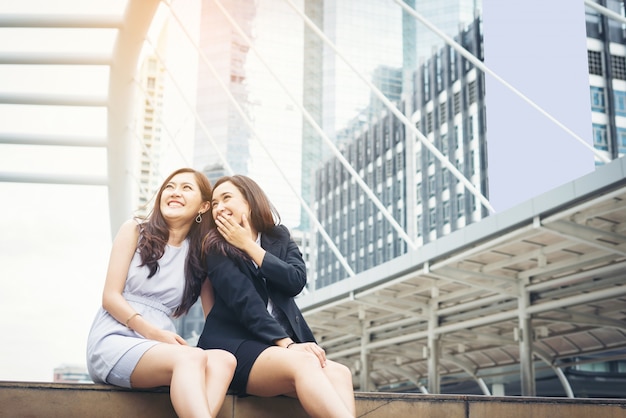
565	250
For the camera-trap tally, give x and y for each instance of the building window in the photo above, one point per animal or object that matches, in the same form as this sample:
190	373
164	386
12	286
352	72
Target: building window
418	194
621	140
438	71
599	137
460	205
620	103
472	92
452	64
597	99
399	161
431	185
457	103
419	225
467	65
594	59
618	66
445	175
444	144
442	113
429	122
446	212
432	221
426	83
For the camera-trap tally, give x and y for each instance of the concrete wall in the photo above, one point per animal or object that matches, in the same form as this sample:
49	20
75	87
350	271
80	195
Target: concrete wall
56	400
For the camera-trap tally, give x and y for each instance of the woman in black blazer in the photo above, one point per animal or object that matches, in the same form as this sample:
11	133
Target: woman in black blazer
254	272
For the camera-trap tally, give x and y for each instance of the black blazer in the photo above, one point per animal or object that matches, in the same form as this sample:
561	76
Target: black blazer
242	291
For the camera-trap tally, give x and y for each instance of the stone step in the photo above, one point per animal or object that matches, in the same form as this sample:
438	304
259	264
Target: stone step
67	400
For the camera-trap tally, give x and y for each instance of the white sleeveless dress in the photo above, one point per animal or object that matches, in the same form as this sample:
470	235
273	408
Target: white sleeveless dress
113	350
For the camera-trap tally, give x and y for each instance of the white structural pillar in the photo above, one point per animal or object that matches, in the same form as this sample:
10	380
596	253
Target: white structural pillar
497	389
121	160
525	337
434	381
364	374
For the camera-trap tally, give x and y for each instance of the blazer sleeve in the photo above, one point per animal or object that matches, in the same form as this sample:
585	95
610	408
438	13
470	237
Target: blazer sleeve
237	290
287	273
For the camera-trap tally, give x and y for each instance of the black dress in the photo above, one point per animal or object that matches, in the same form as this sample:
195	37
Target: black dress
239	321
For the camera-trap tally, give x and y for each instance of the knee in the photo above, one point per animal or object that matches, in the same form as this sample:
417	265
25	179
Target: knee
189	358
220	361
195	357
307	363
339	372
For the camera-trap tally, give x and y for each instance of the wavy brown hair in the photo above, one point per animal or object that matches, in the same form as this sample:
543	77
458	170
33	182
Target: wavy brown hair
263	215
154	234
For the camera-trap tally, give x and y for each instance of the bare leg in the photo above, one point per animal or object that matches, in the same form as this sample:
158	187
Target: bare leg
280	371
184	369
220	367
341	378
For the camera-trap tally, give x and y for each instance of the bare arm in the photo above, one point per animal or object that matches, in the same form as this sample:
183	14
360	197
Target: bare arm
124	246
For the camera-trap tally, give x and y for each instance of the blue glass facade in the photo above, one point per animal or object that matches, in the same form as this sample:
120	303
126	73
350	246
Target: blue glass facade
421	195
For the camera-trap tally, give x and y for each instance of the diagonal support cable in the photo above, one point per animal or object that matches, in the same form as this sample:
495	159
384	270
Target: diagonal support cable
607	12
245	118
479	64
393	108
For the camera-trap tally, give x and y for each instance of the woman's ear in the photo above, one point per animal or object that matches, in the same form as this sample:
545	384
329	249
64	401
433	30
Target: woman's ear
205	207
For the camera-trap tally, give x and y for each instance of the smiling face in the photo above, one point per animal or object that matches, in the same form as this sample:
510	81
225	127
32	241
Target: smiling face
181	198
227	200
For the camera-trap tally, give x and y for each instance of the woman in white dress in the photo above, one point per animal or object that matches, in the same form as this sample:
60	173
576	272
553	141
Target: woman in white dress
155	274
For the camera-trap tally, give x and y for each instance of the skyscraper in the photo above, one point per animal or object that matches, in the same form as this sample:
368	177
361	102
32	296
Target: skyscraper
384	44
372	35
417	190
227	52
263	130
607	78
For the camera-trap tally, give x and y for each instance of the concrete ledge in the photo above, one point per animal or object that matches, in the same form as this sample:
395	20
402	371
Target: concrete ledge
60	400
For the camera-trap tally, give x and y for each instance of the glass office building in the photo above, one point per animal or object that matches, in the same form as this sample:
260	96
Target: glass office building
385	45
249	124
606	50
417	190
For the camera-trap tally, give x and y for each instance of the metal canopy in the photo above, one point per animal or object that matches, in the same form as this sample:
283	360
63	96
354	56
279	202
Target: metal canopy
460	303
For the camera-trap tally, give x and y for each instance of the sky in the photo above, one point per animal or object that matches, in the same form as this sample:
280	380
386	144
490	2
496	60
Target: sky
55	239
549	66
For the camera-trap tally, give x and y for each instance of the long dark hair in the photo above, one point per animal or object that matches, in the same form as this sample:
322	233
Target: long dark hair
154	234
263	215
